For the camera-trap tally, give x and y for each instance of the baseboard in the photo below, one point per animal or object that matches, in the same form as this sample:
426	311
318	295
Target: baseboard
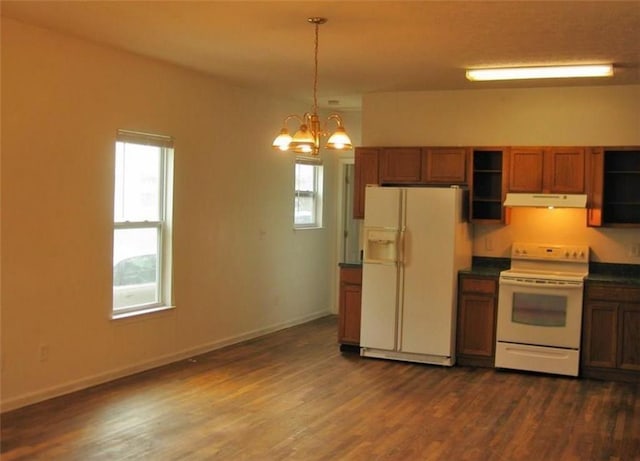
101	378
407	357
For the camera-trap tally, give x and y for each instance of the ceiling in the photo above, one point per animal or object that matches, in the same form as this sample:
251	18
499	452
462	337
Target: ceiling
366	46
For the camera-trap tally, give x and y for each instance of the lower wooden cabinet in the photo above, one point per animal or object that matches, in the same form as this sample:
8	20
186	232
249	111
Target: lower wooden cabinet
611	332
476	328
349	306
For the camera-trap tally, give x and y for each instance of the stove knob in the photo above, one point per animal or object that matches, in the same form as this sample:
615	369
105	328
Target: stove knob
566	254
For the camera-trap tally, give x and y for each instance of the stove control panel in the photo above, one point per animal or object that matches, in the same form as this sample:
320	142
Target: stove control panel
535	251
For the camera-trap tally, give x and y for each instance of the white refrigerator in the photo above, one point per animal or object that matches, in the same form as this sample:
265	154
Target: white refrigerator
415	241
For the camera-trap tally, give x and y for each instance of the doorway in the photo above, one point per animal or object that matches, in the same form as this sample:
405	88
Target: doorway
350	228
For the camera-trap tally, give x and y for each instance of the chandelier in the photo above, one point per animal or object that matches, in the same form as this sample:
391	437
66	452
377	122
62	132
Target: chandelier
306	139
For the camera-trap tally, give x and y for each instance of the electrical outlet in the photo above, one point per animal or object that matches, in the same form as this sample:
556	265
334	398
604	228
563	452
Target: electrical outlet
44	352
488	244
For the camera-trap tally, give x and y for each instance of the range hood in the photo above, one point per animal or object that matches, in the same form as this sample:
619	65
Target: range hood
546	200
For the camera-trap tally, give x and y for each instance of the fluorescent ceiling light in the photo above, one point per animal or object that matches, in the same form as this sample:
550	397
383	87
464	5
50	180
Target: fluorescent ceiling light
516	73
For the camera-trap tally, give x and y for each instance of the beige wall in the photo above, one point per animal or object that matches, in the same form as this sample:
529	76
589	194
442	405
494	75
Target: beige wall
590	116
239	268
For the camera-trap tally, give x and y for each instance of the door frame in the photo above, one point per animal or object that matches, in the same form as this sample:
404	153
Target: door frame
340	221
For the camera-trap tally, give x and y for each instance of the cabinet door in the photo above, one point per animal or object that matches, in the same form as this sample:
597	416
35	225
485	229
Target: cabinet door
476	329
600	334
564	170
400	165
476	321
525	169
444	165
349	322
365	172
629	337
595	177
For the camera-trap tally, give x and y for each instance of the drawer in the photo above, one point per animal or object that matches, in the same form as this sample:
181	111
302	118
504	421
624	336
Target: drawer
351	275
479	285
611	292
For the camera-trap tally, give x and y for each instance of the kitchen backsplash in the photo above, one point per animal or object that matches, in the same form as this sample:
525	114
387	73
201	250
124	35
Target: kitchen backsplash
557	226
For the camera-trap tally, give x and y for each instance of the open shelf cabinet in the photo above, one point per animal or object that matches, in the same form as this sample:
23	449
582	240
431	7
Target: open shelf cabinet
488	184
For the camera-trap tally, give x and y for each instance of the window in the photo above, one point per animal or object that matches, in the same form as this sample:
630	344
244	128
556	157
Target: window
308	194
142	218
539	309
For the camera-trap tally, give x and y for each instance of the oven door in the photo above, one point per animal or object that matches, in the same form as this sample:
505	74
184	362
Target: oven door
540	312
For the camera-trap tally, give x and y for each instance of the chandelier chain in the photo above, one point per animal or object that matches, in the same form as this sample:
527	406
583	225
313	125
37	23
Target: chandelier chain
315	73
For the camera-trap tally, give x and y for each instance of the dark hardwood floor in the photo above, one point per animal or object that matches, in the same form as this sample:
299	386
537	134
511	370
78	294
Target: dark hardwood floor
293	395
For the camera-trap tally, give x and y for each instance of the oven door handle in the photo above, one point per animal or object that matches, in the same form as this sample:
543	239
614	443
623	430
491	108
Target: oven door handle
540	283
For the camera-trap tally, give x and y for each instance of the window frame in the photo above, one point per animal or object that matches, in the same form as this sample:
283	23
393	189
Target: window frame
316	194
163	225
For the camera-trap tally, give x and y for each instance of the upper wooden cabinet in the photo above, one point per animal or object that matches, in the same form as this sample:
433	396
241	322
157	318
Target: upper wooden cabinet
400	165
365	172
444	165
525	172
423	165
564	170
614	187
406	166
549	170
610	176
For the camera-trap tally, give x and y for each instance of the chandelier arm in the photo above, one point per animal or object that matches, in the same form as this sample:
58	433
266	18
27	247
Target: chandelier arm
293	116
337	119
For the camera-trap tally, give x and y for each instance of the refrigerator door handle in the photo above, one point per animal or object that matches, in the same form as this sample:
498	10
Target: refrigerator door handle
401	246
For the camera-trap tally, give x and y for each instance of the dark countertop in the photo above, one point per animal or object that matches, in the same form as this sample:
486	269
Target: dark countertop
350	265
479	266
625	274
486	266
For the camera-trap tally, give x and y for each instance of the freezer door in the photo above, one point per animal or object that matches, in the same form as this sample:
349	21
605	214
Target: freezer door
378	327
382	207
380	273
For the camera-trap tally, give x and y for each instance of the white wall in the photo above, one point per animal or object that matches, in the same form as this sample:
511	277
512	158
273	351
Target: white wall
239	267
587	116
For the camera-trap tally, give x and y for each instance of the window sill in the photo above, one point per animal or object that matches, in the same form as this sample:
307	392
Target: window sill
308	228
145	311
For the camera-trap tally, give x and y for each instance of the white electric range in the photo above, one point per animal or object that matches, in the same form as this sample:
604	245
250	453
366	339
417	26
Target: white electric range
540	308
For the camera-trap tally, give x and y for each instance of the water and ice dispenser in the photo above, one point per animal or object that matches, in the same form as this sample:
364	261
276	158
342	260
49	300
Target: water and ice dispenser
381	246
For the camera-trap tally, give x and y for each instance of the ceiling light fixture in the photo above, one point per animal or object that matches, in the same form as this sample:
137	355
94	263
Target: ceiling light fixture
307	139
517	73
